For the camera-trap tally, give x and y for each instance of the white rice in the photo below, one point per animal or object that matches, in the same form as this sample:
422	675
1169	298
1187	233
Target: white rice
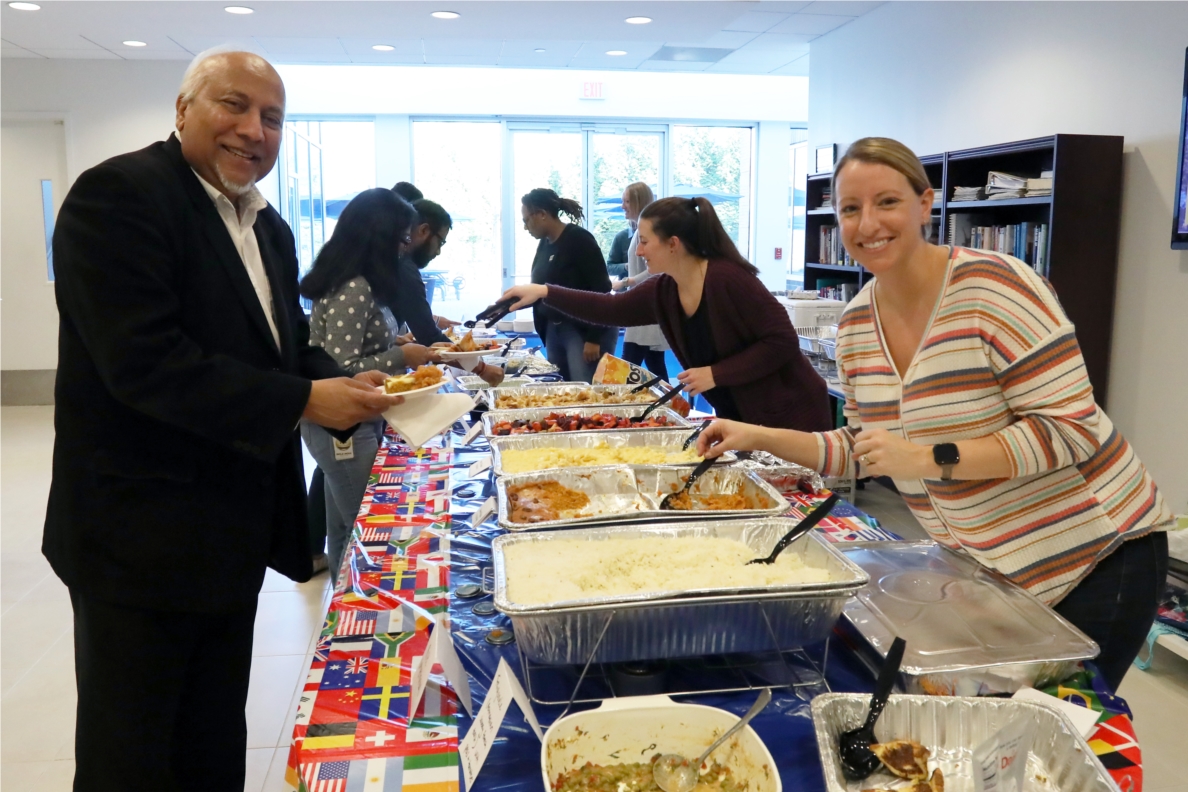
542	573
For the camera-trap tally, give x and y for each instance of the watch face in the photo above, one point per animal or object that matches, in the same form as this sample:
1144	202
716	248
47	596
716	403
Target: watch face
945	454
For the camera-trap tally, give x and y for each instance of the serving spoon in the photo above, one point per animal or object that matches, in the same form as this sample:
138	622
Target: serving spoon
675	773
702	466
801	528
857	760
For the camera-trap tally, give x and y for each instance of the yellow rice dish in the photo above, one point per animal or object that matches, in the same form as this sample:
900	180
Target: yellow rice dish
529	460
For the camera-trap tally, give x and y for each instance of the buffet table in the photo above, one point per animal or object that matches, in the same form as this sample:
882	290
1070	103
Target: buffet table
414	544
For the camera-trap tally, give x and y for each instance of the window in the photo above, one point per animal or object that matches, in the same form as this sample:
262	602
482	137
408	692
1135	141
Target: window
458	165
796	208
715	163
542	158
47	215
616	160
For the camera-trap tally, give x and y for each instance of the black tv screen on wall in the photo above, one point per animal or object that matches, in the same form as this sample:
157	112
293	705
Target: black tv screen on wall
1180	229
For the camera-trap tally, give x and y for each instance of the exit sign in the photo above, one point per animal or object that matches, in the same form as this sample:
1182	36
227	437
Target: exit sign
779	253
592	90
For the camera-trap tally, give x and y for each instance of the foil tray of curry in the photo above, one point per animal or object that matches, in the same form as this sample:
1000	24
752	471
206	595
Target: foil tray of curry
630	494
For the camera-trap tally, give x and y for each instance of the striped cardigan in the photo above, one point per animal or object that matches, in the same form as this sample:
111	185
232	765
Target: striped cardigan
1000	359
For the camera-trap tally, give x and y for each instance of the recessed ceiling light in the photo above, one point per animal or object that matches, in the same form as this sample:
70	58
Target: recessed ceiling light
539	49
445	15
238	10
131	43
616	52
637	20
25	6
382	47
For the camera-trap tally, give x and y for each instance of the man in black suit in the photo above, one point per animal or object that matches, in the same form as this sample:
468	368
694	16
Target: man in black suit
184	366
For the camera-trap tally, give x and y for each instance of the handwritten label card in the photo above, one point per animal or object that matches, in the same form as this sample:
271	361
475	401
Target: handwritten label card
485	511
505	688
472	433
439	650
479	467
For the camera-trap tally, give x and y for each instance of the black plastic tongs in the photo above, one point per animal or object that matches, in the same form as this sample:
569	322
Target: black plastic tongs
492	313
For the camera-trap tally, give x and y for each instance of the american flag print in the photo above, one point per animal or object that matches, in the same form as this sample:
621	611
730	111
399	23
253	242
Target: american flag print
356	623
326	776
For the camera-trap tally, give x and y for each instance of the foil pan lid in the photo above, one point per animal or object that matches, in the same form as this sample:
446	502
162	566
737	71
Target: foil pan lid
954	613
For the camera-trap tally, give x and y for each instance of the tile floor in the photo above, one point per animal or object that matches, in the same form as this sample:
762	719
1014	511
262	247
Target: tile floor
37	696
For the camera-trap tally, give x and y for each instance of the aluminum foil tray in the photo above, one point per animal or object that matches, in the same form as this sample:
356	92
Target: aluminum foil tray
1060	759
493	417
472	383
695	622
657	438
622	493
783	475
571	390
521	363
969	630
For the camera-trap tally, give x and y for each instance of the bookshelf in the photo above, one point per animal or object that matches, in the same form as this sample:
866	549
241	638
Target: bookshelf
1082	218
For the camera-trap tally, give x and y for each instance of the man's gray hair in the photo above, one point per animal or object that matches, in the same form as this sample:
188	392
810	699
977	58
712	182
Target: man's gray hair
199	68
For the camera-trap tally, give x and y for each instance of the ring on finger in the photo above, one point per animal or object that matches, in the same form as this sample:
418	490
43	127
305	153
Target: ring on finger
864	459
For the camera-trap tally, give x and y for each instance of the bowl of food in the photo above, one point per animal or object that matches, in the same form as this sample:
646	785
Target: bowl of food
611	748
422	382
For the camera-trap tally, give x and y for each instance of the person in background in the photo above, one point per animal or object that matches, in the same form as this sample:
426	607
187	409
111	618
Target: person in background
183	368
965	384
732	336
408	191
567	256
643	346
616	259
429	236
352	284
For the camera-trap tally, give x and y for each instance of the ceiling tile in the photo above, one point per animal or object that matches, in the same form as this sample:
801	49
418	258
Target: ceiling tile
97	54
811	24
145	53
690	54
48	39
638	51
469	48
161	45
541	61
553	48
797	68
674	66
403	48
462	60
609	62
756	21
724	39
197	44
782	6
18	52
311	47
851	8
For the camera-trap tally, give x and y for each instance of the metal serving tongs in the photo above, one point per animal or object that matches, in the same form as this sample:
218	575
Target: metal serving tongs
672	394
492	313
645	386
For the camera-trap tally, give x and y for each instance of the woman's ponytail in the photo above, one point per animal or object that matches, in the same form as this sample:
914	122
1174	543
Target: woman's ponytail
695	222
542	199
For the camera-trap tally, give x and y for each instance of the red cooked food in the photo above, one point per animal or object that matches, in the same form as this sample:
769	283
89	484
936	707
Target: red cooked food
563	422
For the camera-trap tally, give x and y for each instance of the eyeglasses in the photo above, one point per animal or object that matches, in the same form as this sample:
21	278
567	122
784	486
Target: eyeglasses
440	239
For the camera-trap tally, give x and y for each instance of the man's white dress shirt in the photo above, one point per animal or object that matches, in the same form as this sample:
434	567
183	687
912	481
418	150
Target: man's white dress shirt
240	227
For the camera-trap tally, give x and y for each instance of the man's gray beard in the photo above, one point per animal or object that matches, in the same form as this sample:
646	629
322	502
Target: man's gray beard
239	190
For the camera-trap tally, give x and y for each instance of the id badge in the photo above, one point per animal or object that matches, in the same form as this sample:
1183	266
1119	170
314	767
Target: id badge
344	451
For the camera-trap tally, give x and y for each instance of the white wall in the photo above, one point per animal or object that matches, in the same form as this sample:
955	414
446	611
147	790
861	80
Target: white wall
945	76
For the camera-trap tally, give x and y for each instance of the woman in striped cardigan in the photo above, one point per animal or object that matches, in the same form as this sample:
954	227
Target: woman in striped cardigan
964	383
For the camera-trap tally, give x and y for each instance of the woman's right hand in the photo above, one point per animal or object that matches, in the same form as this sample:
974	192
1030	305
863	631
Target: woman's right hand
416	355
526	294
723	435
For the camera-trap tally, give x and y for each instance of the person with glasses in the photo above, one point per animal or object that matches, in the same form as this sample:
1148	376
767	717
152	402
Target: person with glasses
354	287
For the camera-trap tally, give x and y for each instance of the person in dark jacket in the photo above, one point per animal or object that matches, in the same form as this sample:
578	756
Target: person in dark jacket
616	259
567	256
184	366
732	336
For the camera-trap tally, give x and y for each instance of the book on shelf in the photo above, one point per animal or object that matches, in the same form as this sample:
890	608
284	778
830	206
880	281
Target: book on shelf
967	193
1002	186
831	250
1027	241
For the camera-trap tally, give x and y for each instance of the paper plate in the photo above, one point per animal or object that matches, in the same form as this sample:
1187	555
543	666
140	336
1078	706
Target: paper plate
424	418
469	360
417	393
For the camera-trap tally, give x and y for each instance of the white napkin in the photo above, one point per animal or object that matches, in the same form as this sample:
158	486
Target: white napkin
417	420
1083	718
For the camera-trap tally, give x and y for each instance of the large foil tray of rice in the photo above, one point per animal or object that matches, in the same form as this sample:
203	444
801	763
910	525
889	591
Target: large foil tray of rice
555	450
625	493
668	590
508	397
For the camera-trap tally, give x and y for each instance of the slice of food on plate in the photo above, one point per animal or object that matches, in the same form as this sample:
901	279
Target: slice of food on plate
423	377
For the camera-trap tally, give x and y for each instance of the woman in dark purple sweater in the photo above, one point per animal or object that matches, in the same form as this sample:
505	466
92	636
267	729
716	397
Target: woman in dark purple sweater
733	338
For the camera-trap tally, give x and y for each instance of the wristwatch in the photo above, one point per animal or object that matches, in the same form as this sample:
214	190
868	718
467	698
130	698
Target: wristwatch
947	456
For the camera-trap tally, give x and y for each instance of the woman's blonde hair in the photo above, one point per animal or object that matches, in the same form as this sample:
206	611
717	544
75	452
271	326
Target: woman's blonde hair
640	195
884	151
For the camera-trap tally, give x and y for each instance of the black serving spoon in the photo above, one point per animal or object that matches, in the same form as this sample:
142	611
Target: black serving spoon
802	527
702	466
696	434
644	386
672	394
857	760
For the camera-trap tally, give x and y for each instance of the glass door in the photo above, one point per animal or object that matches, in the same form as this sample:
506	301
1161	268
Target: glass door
546	157
616	160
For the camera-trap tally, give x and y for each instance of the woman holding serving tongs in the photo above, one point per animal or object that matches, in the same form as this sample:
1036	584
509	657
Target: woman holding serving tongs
733	338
